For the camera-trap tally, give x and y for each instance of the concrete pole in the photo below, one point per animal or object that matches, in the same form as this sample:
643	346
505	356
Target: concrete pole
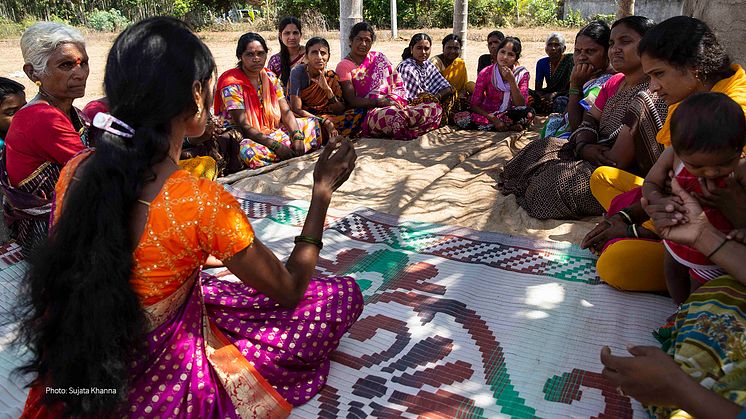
461	20
350	13
394	29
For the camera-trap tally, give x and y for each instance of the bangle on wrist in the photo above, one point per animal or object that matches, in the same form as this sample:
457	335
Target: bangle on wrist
625	216
310	240
573	91
720	246
632	231
274	145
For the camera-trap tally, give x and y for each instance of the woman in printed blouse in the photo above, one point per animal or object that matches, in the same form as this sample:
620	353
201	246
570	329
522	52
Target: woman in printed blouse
252	101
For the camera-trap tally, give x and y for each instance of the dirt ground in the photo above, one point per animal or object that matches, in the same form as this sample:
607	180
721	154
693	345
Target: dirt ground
223	47
445	177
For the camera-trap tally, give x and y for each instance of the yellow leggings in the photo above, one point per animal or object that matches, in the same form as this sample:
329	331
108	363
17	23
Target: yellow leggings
628	264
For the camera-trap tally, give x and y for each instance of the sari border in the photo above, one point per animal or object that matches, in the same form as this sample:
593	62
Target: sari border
34	174
250	393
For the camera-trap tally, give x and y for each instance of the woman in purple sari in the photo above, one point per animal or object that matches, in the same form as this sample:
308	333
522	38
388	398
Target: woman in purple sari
119	319
369	81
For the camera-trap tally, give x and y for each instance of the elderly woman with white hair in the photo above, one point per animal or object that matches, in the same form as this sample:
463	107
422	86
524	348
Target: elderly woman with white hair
45	133
555	70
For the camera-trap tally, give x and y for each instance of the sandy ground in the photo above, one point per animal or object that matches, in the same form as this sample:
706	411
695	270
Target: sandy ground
223	47
444	177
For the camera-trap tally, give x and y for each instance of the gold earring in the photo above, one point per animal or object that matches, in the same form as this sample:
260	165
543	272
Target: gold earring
37	83
199	111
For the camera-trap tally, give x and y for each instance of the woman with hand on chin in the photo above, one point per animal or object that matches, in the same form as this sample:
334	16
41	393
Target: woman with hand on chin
315	93
500	94
590	72
252	101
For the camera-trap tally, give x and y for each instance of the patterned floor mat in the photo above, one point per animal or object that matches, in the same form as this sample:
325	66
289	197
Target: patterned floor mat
460	323
457	323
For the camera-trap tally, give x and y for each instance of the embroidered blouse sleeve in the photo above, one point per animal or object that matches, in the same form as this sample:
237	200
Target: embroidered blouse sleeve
224	229
233	97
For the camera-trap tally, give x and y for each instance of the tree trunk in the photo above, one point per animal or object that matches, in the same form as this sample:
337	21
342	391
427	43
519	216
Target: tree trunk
350	13
461	21
727	19
394	29
626	8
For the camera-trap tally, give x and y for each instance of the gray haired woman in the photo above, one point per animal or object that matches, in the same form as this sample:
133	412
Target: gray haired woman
555	70
45	133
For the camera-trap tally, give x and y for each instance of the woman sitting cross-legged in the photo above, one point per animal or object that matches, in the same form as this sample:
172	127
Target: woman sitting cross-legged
116	300
422	80
550	177
315	93
500	94
252	101
369	81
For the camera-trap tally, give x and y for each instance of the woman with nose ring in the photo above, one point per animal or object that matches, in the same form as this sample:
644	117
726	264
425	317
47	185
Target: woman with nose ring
252	101
45	133
683	57
369	81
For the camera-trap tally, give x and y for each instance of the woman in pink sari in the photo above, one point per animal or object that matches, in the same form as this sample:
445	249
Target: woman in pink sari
118	316
369	81
500	94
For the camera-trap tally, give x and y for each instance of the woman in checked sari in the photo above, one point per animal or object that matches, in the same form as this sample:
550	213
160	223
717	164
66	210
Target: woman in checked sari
141	321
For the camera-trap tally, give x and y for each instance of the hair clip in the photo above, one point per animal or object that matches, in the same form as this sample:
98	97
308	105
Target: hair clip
106	122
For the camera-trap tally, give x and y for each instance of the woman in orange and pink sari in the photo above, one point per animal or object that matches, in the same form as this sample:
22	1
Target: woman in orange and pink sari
252	101
116	306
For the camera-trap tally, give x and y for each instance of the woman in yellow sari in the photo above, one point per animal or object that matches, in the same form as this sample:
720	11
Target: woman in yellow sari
315	93
453	68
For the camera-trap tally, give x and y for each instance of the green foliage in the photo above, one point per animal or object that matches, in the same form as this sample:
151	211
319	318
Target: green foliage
573	19
491	13
8	28
107	21
608	18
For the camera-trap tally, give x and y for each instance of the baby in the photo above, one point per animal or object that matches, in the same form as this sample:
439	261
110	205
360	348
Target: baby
708	134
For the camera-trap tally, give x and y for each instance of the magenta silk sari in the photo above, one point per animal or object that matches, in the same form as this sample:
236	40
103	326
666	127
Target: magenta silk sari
222	349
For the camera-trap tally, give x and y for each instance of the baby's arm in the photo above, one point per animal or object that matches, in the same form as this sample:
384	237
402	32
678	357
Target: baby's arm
653	187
